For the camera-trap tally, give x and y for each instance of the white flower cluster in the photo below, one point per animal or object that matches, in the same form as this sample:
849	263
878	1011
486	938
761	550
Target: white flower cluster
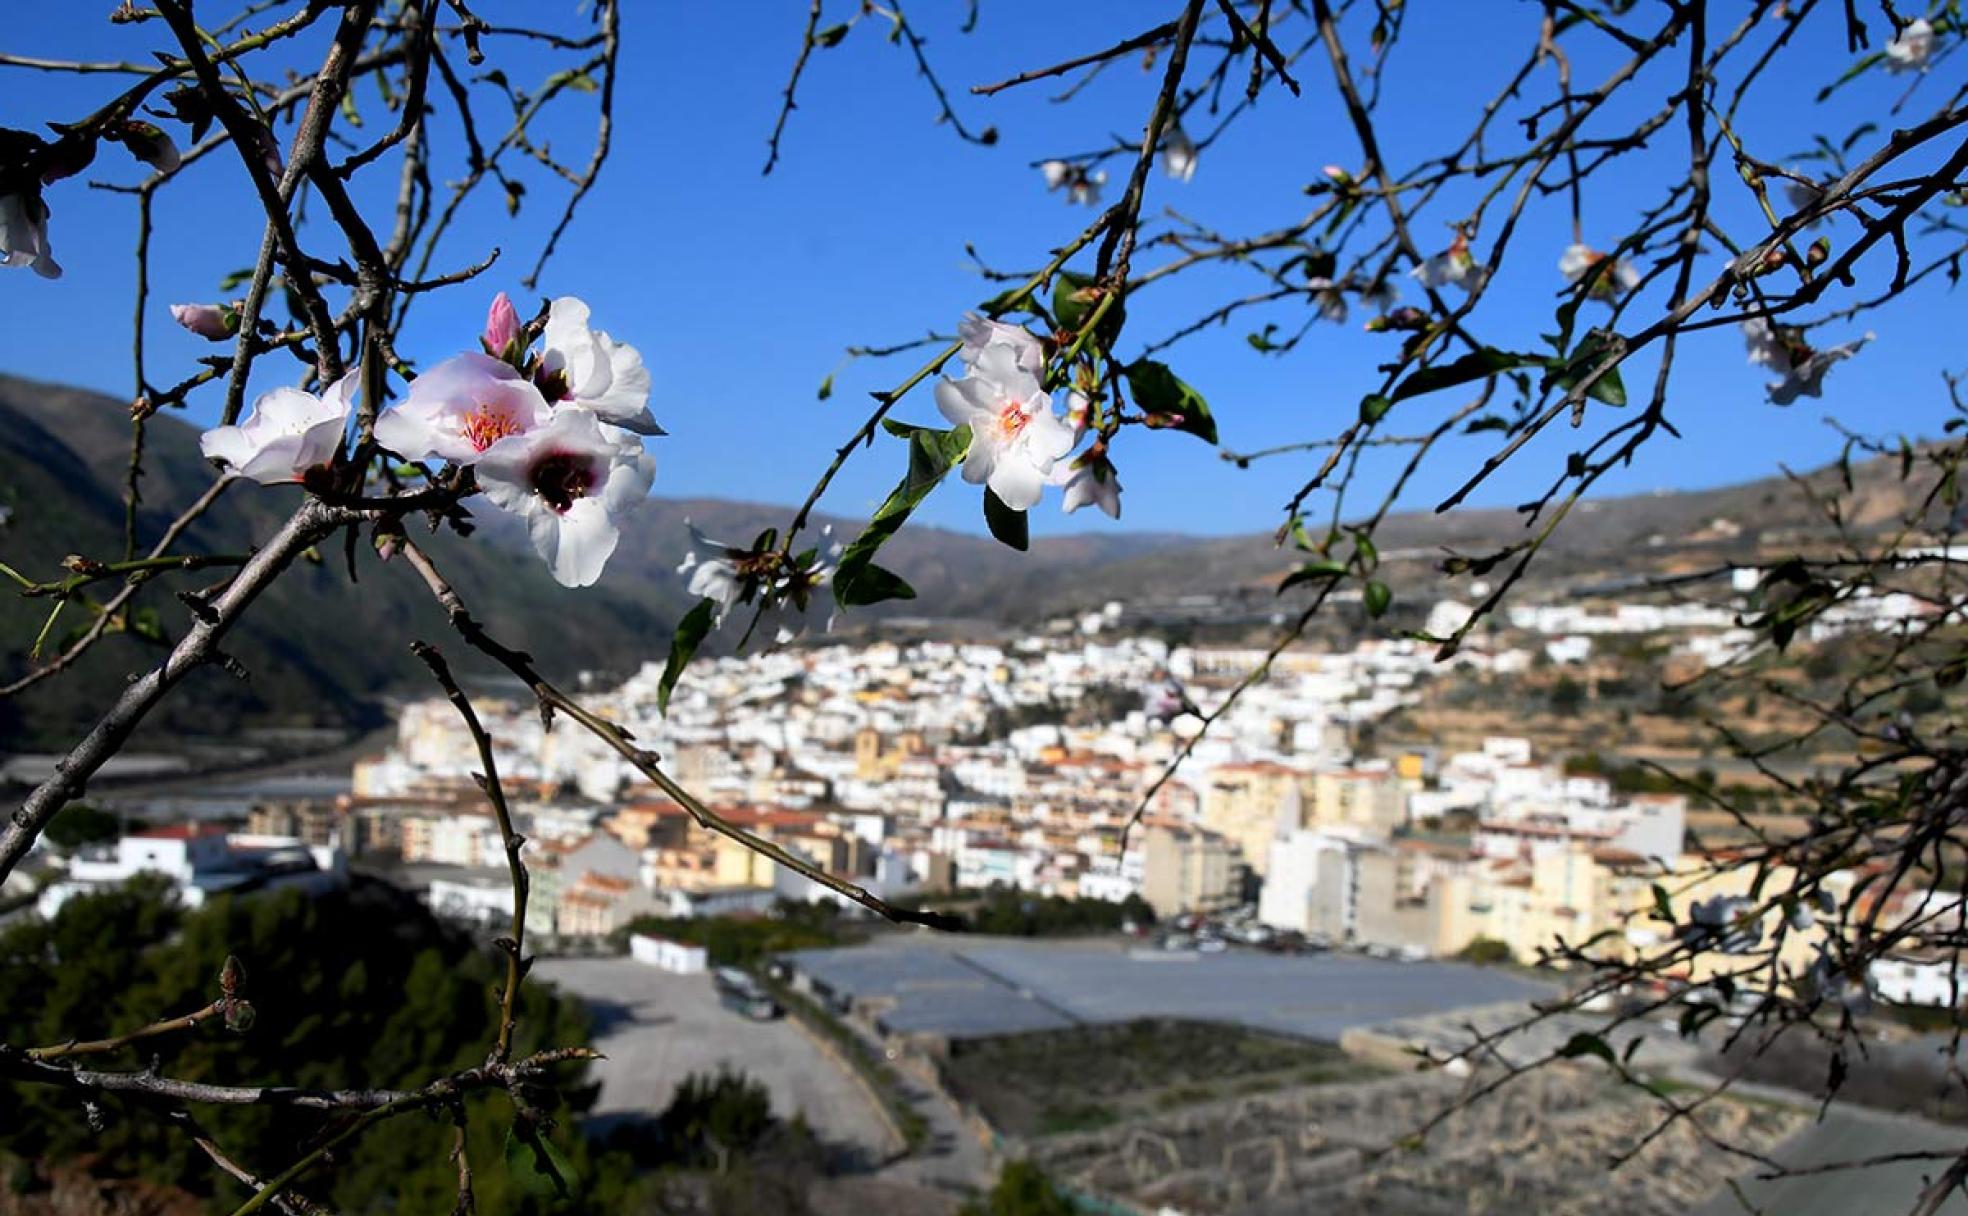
551	436
1018	445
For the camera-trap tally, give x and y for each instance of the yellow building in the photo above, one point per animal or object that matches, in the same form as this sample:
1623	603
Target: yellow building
1187	869
1251	805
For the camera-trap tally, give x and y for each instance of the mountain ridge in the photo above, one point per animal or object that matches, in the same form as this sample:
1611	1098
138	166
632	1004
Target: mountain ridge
64	458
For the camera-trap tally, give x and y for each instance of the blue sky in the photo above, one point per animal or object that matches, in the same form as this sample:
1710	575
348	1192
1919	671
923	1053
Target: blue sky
742	290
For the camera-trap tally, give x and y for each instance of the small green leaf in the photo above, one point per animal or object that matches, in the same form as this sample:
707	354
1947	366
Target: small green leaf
1662	904
1374	407
1476	365
1585	1043
1162	395
690	634
535	1163
827	388
1310	572
1009	526
831	36
932	454
1376	596
1569	370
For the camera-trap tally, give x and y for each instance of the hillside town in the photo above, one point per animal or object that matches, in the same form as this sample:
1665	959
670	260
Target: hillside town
1047	765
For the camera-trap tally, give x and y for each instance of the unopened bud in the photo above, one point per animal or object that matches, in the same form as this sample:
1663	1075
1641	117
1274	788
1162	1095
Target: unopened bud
213	322
142	408
149	144
501	336
1819	252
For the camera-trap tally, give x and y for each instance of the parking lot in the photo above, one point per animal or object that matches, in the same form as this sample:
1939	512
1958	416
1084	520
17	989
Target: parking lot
657	1028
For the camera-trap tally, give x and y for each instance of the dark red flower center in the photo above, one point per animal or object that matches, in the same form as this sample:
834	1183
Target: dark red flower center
562	478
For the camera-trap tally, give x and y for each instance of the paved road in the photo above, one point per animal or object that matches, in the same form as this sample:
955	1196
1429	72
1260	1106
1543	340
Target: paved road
657	1028
1849	1133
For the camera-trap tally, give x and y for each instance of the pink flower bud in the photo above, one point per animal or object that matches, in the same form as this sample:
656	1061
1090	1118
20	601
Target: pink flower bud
501	337
214	322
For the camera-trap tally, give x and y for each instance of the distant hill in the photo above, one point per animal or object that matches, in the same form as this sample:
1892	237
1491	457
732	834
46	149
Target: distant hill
322	652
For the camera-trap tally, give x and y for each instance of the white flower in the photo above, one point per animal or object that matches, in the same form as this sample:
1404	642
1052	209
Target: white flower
573	482
798	598
1802	195
1178	153
1580	260
1328	298
1015	438
980	333
213	322
713	571
24	234
1452	266
1772	346
1911	47
1082	187
585	367
1089	480
1806	377
461	409
288	433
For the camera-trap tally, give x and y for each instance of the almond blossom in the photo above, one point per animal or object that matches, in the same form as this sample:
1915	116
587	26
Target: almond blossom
1015	438
1089	479
980	333
1082	185
24	233
461	409
573	481
1453	266
1911	47
1328	298
288	434
585	367
1178	153
1782	349
1580	260
786	589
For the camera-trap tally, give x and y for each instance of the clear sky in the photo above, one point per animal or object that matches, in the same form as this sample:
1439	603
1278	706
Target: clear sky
742	290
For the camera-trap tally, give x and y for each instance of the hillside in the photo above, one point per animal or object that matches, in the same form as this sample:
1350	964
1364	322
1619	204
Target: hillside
322	652
310	645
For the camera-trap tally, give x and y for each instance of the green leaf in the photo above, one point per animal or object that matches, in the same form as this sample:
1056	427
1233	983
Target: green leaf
1073	298
1161	394
1585	1043
831	36
535	1163
1662	904
1485	422
1376	596
932	454
1567	371
1262	342
827	387
690	633
1310	572
1476	365
1374	407
236	278
1009	526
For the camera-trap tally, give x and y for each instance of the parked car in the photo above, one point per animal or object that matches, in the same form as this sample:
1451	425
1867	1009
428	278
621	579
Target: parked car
743	995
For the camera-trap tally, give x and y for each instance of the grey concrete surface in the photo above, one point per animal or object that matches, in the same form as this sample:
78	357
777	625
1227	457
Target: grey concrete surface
983	986
1850	1134
657	1028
